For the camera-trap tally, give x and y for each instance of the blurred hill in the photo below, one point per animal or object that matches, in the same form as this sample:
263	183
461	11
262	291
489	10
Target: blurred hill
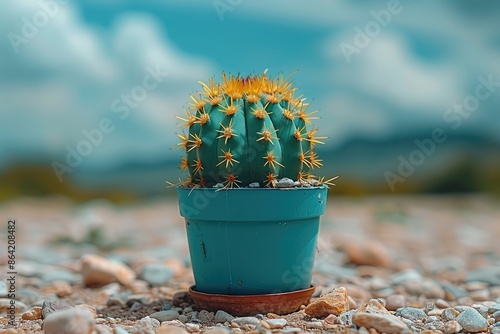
463	163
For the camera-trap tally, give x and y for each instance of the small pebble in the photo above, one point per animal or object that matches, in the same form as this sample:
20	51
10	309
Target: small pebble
435	312
493	308
254	185
404	276
363	330
429	306
156	274
475	286
99	271
33	313
111	288
490	275
5	305
146	325
205	316
112	301
276	323
87	307
3	289
431	318
182	297
367	252
264	325
136	306
28	296
441	303
165	315
449	314
373	306
246	321
314	325
352	303
194	317
471	320
345	318
103	329
331	319
192	327
69	321
483	310
453	292
285	183
394	302
52	306
183	318
334	302
222	317
431	289
452	327
496	316
383	293
480	295
386	323
120	330
61	289
411	313
166	307
132	299
217	331
139	286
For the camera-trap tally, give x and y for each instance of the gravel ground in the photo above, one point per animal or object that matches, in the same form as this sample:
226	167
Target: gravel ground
384	264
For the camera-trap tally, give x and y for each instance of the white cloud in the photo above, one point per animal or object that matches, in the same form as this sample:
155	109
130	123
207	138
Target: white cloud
137	39
387	69
349	117
66	78
292	12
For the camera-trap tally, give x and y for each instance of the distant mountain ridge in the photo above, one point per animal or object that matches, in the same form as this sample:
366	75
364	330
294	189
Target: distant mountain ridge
362	160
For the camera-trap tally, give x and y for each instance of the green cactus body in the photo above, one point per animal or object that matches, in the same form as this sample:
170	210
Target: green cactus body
248	130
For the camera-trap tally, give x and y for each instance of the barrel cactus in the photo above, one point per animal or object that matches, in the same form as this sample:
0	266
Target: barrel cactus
248	129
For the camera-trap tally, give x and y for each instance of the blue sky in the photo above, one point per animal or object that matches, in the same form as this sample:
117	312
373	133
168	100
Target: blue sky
86	55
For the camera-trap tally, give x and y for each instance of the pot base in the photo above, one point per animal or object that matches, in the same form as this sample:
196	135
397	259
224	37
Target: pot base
249	305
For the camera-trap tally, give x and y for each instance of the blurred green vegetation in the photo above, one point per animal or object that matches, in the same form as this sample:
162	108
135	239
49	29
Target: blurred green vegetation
464	175
97	237
38	180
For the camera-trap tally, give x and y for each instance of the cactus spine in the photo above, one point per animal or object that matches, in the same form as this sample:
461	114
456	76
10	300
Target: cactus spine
246	130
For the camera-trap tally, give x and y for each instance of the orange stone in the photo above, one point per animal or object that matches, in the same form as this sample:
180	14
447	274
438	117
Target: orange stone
334	302
33	313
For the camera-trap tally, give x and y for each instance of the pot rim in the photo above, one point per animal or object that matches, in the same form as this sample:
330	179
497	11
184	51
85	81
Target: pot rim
184	188
252	204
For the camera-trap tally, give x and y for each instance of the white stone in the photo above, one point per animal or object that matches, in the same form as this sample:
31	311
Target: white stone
71	321
276	323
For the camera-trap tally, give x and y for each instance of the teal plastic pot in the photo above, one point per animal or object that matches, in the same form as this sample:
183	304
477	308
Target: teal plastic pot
252	240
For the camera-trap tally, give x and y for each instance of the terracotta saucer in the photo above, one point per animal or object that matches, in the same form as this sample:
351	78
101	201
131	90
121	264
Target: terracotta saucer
247	305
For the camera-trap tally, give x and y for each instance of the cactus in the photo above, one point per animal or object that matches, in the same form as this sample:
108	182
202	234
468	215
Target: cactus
246	130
